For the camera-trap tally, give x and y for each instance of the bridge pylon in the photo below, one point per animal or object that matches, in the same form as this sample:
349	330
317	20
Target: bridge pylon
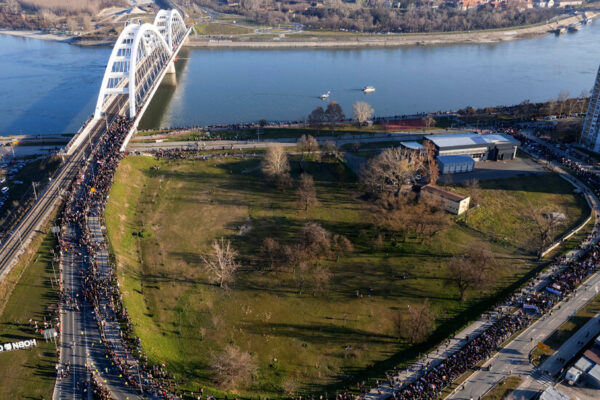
171	68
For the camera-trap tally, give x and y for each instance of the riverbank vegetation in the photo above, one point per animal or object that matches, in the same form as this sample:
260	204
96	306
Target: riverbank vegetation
384	16
320	283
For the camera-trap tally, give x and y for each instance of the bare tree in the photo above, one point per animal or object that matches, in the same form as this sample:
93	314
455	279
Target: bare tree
342	245
417	323
307	195
232	367
330	147
428	121
320	278
391	170
221	264
563	96
582	101
315	239
307	144
473	269
362	112
545	223
316	118
333	115
275	165
271	250
430	162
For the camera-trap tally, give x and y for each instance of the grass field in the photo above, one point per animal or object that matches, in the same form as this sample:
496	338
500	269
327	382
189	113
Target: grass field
163	215
29	374
212	28
498	220
503	389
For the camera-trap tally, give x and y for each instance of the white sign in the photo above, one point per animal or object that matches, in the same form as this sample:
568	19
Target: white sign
23	344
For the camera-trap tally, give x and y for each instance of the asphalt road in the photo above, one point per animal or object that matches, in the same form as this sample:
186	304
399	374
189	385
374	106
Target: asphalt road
514	358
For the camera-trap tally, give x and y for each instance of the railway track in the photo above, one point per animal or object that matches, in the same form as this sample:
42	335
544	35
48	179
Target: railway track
49	199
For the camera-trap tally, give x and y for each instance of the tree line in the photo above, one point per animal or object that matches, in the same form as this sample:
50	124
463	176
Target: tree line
374	16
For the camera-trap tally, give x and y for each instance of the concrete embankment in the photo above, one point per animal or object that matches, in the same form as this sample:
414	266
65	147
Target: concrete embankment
324	41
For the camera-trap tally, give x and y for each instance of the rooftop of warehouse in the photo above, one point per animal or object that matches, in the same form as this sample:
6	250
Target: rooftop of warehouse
469	139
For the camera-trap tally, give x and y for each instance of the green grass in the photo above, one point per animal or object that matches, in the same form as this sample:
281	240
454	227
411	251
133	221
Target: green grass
214	28
498	219
29	374
567	329
504	388
182	319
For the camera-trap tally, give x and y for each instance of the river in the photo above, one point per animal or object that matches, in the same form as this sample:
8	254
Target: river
50	87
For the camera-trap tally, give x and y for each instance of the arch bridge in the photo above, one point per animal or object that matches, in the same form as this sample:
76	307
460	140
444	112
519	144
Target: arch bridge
143	53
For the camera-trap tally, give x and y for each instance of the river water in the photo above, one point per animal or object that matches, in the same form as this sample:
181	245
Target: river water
49	87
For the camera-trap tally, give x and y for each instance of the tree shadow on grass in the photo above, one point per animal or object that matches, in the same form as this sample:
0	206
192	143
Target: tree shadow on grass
329	334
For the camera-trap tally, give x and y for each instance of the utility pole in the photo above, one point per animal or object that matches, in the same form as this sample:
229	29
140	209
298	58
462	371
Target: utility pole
34	192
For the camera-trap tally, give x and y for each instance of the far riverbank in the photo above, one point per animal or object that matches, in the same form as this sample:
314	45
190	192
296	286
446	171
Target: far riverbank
334	40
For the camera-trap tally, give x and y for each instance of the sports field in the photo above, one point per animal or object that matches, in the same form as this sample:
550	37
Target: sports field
162	216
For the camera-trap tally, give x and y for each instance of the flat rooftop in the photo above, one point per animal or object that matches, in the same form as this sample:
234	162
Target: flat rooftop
412	145
443	193
469	139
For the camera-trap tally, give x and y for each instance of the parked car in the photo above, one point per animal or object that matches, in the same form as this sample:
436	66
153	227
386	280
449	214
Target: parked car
5	189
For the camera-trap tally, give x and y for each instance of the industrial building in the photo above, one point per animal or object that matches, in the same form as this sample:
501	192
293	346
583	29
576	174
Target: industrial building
454	164
497	146
453	202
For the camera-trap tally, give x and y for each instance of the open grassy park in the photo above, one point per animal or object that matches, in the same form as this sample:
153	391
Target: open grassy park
27	293
305	338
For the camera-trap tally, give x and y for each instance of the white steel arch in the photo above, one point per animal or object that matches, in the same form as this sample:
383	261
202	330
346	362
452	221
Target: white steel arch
171	25
138	57
149	55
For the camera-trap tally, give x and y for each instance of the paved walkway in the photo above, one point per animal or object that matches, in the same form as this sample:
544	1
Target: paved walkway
514	358
511	356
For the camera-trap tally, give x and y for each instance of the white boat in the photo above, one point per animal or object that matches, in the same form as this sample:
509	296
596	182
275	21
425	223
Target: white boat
368	89
324	96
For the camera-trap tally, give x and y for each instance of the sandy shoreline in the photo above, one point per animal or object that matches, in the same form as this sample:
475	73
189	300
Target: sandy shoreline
31	34
358	41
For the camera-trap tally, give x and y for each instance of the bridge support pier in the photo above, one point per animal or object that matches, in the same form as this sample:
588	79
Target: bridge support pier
171	68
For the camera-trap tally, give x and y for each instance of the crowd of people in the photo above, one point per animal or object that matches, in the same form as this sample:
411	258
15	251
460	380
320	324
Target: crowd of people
567	276
88	198
195	154
86	201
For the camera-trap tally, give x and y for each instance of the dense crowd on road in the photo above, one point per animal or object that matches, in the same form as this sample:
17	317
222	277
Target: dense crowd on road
435	379
567	276
86	200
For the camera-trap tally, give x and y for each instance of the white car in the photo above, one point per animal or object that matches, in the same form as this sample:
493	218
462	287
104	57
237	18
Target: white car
5	189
